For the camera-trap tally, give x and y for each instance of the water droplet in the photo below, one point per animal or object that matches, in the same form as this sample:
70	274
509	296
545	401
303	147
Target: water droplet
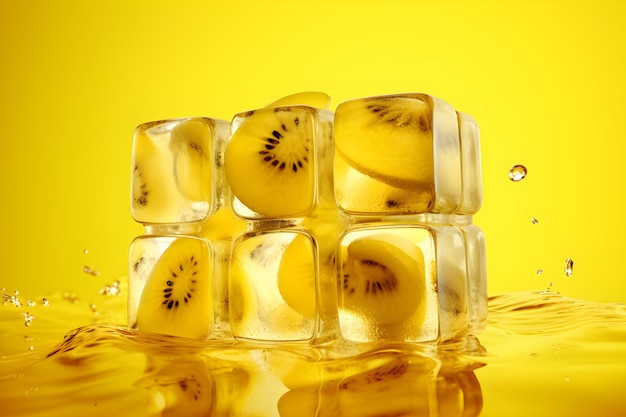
45	302
12	299
540	271
569	267
92	272
534	220
31	347
85	251
517	173
94	308
31	303
28	319
111	289
70	296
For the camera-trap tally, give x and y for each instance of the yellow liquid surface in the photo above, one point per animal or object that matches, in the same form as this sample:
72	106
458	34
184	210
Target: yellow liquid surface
541	354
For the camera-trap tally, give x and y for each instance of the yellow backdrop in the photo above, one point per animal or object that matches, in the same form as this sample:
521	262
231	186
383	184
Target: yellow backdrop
544	79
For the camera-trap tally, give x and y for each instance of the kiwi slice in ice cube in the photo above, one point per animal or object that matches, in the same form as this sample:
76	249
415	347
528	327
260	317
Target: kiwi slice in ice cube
177	297
269	161
152	192
190	144
389	138
296	276
383	279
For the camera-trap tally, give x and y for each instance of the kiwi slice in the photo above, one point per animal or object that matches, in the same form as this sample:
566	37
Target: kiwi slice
177	297
151	192
389	138
190	144
181	386
315	99
361	194
383	279
269	161
242	297
296	276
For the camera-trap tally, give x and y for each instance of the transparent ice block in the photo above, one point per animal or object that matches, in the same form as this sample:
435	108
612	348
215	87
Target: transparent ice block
173	170
173	285
397	154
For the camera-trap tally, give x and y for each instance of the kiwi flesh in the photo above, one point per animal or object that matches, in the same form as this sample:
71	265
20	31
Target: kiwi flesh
378	383
269	161
383	279
242	297
361	194
389	138
151	199
315	99
177	297
190	144
181	386
296	276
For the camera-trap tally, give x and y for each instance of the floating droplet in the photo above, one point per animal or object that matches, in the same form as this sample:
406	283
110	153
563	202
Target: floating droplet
90	271
13	299
517	173
534	220
28	319
540	271
45	302
94	309
85	251
70	296
31	303
111	289
569	267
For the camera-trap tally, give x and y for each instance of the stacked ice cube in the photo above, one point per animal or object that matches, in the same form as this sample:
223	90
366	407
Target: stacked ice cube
348	225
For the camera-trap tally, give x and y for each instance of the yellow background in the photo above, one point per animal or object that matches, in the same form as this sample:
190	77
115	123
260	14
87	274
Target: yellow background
546	81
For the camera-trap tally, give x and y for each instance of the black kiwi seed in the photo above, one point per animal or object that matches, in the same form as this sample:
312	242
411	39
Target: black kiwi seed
170	299
390	114
142	198
371	286
138	263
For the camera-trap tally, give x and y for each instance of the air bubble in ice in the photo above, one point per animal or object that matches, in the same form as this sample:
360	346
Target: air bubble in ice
517	173
569	267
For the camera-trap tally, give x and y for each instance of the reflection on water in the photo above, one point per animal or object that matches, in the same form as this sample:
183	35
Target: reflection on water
541	354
